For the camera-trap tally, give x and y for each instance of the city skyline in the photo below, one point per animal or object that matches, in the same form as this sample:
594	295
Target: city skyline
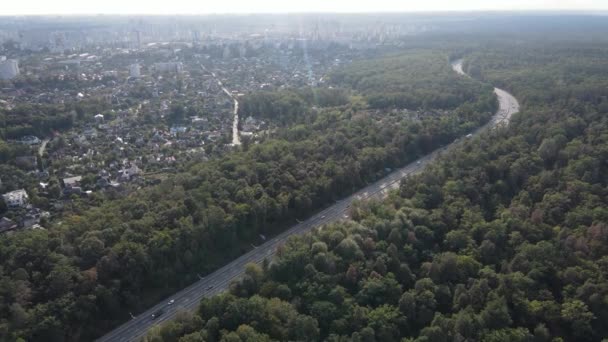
72	7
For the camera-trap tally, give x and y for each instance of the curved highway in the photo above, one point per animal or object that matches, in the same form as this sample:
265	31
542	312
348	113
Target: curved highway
508	104
218	281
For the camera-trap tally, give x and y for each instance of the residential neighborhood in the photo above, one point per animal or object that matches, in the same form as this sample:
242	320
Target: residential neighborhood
109	120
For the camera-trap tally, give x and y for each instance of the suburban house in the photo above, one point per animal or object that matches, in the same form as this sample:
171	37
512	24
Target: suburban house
126	174
30	140
72	185
16	199
72	182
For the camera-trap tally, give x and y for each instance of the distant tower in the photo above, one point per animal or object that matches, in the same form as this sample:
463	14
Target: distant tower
9	69
134	70
138	33
58	42
315	33
227	53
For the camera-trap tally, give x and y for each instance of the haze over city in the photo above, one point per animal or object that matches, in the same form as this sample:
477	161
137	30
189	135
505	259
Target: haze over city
189	7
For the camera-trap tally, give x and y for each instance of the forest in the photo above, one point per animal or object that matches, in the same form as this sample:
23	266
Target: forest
43	119
407	82
81	277
291	106
504	239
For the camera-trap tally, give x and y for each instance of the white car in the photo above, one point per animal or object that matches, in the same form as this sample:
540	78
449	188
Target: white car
171	302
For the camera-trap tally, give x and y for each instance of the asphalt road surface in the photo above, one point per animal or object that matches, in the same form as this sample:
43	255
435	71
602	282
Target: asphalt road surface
218	281
236	139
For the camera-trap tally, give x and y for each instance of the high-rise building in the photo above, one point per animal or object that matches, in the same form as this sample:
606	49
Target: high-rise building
169	67
138	32
134	70
9	69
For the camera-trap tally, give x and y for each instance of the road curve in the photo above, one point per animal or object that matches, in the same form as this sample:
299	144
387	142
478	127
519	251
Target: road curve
218	281
508	104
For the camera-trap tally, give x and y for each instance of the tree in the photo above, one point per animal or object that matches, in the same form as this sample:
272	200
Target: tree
386	321
576	314
304	328
496	314
349	250
177	114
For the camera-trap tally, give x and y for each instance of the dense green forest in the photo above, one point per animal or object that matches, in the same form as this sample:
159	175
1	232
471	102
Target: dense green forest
290	106
81	277
42	119
407	82
418	80
505	239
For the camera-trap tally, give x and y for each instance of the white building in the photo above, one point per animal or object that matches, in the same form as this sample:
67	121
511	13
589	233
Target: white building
169	67
9	69
15	199
127	174
30	140
72	182
135	70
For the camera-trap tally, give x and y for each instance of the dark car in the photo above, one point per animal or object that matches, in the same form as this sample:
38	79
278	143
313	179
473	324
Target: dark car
158	313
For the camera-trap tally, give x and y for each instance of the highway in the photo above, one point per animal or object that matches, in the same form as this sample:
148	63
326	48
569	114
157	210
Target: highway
218	281
508	104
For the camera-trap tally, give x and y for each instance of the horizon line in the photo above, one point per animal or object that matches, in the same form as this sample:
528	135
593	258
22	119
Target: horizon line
449	11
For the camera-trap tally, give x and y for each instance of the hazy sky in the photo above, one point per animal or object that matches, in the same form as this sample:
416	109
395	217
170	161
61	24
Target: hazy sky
10	7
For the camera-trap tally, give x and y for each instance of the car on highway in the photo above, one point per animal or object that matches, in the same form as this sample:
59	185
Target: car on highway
323	216
209	287
158	313
171	302
418	162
